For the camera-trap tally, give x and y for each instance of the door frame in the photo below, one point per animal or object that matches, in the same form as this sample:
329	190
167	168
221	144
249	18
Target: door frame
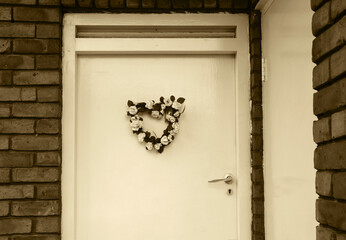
208	42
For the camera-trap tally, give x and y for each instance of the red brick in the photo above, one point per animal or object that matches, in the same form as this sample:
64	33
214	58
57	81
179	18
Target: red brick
210	3
48	30
48	192
4	208
337	63
257	191
52	94
340	236
5	78
225	4
256	112
5	175
36	14
36	46
324	183
339	185
180	4
22	2
255	47
116	3
26	142
49	2
5	45
258	224
322	130
330	98
101	3
36	77
16	192
16	159
257	127
332	38
256	79
35	174
9	94
331	213
330	156
36	237
257	175
48	62
195	4
15	225
321	18
258	207
339	124
4	142
16	62
48	126
17	126
255	32
240	4
47	225
44	110
5	110
323	233
85	3
35	208
48	159
148	3
132	3
163	4
257	142
68	3
337	8
28	94
17	29
321	73
315	4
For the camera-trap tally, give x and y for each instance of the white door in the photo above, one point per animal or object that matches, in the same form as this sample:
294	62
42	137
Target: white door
121	190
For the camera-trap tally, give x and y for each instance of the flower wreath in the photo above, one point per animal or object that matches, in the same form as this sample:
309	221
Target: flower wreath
170	108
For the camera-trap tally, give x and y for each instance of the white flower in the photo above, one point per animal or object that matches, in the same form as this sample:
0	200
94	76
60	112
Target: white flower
168	102
176	114
149	146
176	127
133	110
163	106
157	146
170	118
136	123
172	132
149	104
164	140
177	105
141	137
156	114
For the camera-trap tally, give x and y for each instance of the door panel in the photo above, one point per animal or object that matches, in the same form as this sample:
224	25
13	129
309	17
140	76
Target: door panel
125	192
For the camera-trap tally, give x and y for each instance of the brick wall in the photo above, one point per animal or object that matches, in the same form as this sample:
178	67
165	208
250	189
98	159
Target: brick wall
329	79
30	106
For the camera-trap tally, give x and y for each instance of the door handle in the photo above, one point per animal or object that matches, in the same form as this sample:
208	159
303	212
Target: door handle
227	179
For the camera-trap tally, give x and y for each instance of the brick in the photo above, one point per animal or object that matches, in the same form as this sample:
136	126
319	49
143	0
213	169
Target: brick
47	225
330	156
330	39
256	158
35	208
331	213
48	159
4	208
258	207
257	127
36	46
337	63
322	130
16	61
5	175
210	3
195	4
339	185
315	4
256	64
17	30
48	30
116	3
256	95
16	192
22	2
36	14
16	159
257	191
9	94
5	78
52	94
37	237
5	13
324	183
85	3
338	124
68	3
255	47
240	4
5	45
49	2
257	142
340	236
256	112
5	110
323	233
163	4
258	224
225	4
48	62
4	142
44	110
48	192
148	3
321	18
255	32
257	175
35	174
256	79
180	4
101	3
321	73
132	3
28	94
17	126
330	98
337	8
36	77
35	143
48	126
15	225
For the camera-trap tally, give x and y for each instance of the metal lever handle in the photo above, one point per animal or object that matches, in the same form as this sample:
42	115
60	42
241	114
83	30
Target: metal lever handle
227	179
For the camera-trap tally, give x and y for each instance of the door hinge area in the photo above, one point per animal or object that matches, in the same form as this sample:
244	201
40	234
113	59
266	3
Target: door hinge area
264	70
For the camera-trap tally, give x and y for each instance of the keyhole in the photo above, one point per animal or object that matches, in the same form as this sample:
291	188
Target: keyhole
229	191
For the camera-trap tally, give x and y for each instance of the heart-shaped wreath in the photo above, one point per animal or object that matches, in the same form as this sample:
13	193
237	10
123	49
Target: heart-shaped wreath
169	108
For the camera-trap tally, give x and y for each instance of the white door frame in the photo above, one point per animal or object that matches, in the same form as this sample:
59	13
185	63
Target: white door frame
158	44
